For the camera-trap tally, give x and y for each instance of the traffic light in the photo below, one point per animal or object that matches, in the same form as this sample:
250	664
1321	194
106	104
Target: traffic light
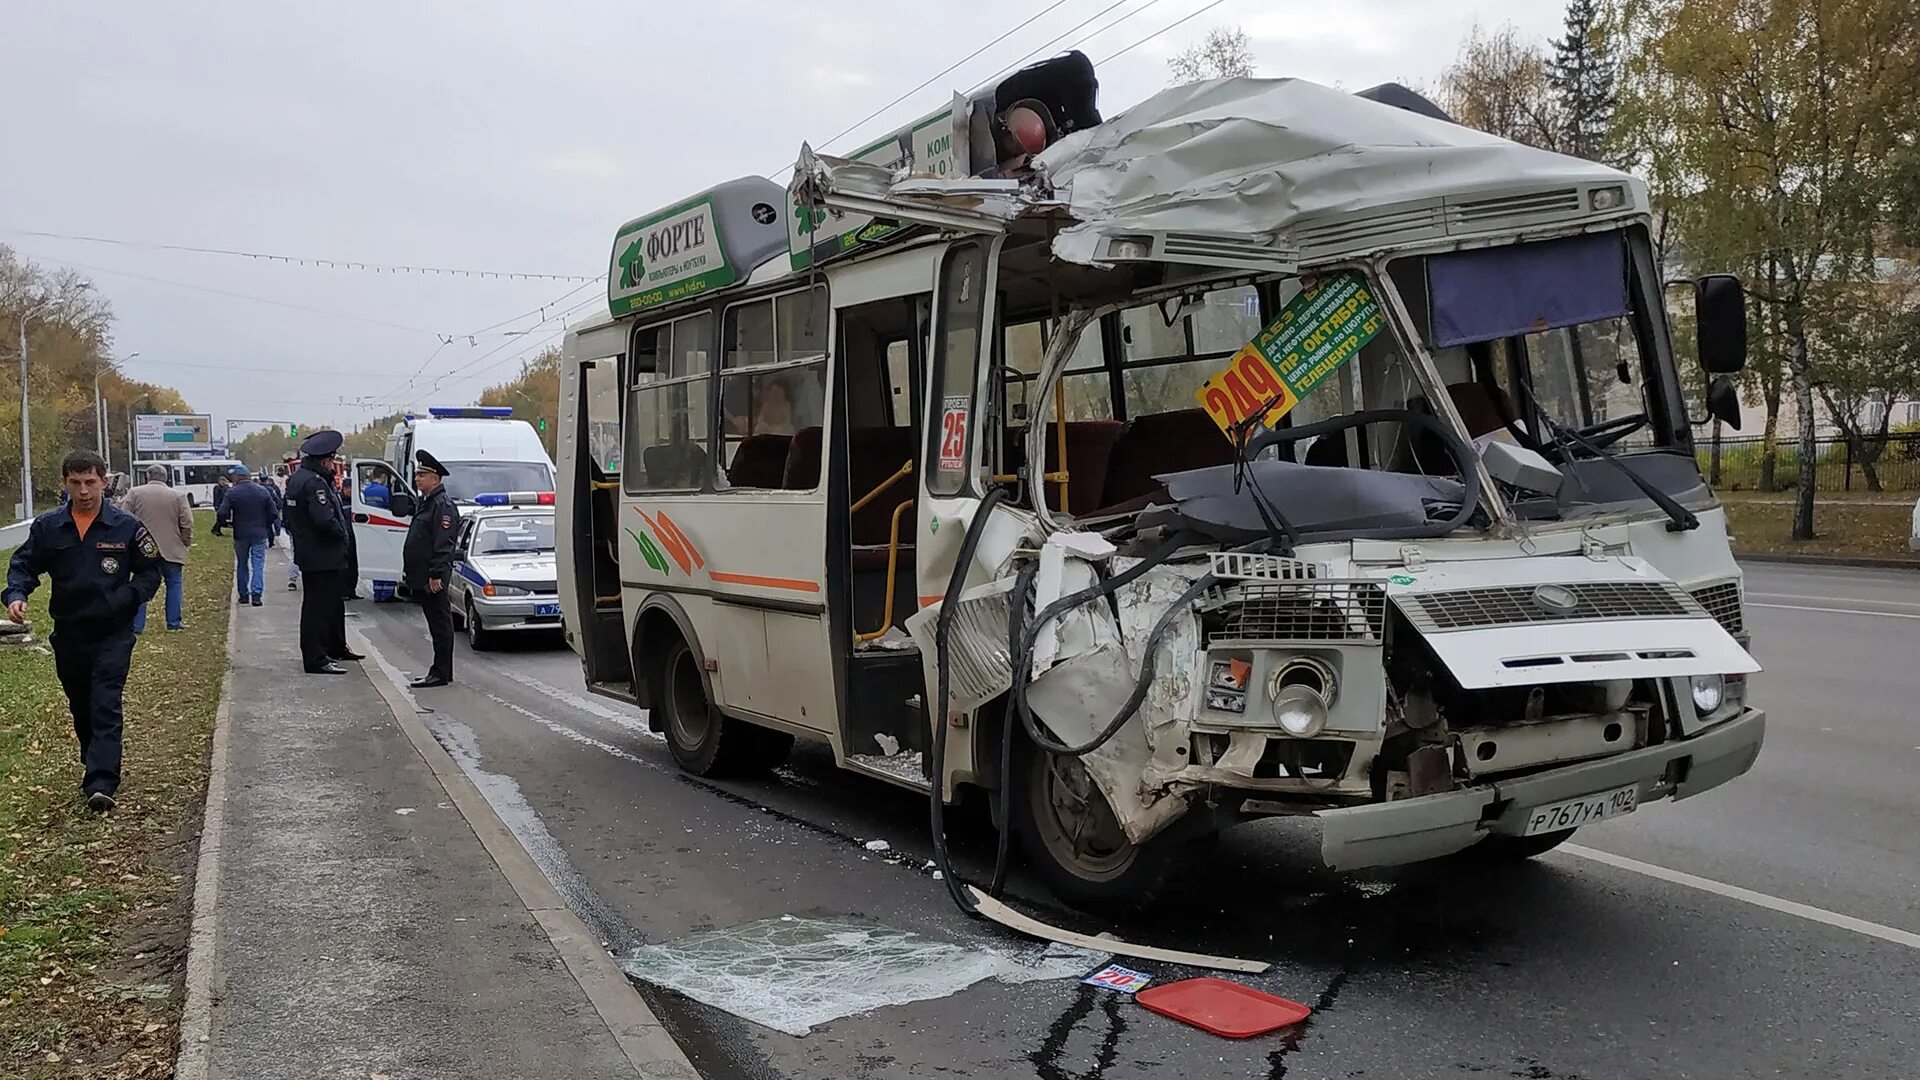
543	423
293	431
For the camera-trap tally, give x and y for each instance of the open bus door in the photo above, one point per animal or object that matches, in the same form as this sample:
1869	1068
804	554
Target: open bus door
588	512
382	503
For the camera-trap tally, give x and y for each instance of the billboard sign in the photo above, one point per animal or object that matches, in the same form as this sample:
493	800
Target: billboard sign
172	434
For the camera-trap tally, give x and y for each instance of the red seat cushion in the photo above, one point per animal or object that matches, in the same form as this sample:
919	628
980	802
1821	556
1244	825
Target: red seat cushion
760	461
1163	443
802	472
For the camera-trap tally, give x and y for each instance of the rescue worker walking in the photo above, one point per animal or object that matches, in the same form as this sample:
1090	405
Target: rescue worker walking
319	531
427	561
104	565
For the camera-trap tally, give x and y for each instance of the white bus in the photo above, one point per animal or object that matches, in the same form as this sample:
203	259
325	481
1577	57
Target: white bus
1265	449
195	476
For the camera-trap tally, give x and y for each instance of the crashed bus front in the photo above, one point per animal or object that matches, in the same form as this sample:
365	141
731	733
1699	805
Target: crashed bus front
1455	579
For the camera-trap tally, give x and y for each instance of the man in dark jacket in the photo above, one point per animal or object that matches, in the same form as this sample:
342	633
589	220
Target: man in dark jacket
427	561
104	565
253	513
320	530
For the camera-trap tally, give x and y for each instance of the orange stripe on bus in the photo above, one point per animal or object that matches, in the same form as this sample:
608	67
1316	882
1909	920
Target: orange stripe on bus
794	584
929	601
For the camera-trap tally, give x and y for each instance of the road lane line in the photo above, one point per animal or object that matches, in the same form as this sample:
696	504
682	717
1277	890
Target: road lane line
1839	610
1748	896
1832	599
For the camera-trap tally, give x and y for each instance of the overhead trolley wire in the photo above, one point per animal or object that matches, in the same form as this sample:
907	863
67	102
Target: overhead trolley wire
1162	30
311	260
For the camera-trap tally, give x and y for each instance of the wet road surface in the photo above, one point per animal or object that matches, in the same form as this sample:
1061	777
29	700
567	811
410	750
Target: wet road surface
1562	968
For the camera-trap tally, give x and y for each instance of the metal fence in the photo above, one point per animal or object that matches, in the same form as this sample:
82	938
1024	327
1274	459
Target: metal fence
1835	465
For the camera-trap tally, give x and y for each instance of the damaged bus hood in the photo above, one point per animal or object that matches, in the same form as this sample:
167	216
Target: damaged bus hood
1525	622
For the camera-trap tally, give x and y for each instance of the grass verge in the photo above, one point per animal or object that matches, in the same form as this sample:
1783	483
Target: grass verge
1843	528
94	910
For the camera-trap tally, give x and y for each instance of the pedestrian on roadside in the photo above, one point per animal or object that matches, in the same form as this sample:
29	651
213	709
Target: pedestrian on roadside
319	531
427	561
103	564
287	468
221	485
254	514
351	582
168	517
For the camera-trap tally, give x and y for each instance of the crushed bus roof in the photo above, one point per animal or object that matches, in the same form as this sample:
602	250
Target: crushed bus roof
1310	170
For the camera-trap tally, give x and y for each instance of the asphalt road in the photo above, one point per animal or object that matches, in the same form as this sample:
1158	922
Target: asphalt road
1590	963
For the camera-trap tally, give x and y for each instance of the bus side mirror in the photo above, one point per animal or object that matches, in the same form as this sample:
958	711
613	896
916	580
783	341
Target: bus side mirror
401	504
1723	401
1720	314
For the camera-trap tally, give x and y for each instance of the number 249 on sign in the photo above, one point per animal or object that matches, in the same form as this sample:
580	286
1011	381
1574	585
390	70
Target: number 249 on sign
1248	383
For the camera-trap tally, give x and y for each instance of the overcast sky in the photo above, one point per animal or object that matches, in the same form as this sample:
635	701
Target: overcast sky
481	134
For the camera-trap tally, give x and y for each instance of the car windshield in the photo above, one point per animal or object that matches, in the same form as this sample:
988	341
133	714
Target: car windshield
468	479
506	535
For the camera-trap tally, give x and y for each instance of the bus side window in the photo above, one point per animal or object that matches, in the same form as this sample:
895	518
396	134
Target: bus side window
667	421
773	386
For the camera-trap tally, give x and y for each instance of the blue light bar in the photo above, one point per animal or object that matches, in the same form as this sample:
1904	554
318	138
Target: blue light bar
497	411
514	498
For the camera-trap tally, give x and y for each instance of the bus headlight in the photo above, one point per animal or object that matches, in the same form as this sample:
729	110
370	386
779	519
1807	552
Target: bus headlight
1708	692
1608	198
1302	689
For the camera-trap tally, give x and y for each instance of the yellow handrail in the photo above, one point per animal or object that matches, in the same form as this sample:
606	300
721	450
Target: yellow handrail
606	485
904	470
893	563
1060	440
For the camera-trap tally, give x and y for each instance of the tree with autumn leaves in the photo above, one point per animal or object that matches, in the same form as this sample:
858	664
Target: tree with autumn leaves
1773	134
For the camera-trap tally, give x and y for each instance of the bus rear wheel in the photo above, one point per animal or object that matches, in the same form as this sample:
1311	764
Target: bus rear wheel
1073	840
704	742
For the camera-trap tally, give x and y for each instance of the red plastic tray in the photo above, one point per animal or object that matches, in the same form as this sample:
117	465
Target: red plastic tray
1222	1007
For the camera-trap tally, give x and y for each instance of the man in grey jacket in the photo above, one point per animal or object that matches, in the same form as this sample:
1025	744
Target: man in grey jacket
169	519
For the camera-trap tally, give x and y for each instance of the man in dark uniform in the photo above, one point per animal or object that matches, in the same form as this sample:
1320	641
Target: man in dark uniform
319	529
104	566
428	561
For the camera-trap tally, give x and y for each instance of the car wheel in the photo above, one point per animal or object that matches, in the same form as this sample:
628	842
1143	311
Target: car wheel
1070	834
704	742
477	635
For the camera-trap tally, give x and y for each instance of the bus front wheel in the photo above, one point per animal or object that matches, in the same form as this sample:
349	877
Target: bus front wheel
704	742
1073	840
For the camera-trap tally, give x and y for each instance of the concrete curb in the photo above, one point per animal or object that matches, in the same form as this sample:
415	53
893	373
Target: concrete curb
639	1034
196	1015
1863	562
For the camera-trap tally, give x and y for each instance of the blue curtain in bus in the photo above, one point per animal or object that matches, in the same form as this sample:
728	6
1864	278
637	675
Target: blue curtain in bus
1526	288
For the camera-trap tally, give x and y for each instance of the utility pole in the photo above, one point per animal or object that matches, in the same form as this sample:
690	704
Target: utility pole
100	407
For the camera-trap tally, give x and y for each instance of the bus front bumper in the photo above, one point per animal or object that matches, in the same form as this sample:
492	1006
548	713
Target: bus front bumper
1408	830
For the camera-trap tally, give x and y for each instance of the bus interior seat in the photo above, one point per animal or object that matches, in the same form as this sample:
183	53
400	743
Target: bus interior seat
1161	443
802	471
873	455
675	465
1089	455
760	461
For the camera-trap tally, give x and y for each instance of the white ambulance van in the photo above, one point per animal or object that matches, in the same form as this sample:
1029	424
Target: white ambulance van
490	458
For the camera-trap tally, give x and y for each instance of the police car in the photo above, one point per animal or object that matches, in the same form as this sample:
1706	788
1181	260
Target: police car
503	567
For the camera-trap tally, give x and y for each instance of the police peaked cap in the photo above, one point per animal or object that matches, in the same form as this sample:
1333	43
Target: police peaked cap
322	443
429	463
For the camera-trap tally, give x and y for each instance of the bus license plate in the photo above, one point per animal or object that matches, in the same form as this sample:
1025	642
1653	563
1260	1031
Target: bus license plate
546	609
1583	811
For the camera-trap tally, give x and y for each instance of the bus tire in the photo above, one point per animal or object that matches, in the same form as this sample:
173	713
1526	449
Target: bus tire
1070	836
704	742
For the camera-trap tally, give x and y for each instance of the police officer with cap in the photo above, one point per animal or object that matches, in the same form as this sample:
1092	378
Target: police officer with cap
428	561
320	529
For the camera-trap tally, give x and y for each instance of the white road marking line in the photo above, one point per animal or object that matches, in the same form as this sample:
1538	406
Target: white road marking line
1832	599
1748	896
1839	610
636	724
